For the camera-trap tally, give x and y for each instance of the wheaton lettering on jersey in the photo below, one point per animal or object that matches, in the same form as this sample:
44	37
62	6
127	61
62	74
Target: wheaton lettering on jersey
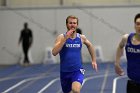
73	45
133	50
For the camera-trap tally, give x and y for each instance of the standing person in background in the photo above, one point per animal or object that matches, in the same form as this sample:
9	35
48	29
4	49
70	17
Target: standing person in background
78	30
131	42
26	38
69	45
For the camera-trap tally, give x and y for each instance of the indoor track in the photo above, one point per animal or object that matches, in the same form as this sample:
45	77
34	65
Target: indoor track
42	78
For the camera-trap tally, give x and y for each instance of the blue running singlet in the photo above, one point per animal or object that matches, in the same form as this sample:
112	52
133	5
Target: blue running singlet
70	55
133	59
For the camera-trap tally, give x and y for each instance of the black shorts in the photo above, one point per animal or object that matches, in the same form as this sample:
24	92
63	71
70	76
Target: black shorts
133	87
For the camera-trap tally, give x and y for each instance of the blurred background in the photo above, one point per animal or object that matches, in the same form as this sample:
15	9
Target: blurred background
102	21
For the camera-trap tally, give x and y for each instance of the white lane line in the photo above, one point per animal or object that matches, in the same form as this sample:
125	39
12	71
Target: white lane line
59	91
93	77
48	85
43	75
9	89
21	82
115	82
18	77
105	80
32	75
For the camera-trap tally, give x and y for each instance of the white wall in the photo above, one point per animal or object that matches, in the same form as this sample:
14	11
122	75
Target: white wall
41	3
32	3
101	25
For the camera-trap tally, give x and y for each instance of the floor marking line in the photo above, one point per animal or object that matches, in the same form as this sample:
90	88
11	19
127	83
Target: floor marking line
21	82
25	80
48	85
44	75
59	91
105	80
93	77
115	82
16	85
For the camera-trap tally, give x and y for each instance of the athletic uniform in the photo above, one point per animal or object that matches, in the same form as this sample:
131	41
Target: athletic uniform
133	65
71	63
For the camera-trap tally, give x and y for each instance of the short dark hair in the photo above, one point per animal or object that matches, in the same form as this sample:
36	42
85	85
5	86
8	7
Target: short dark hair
78	30
136	17
25	24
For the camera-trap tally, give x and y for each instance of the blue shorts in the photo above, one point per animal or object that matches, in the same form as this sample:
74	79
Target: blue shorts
67	78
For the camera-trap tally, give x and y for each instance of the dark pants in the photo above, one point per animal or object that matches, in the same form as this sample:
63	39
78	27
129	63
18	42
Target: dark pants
133	87
26	50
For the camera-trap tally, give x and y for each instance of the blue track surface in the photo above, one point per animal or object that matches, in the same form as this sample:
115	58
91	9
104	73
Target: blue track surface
41	78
